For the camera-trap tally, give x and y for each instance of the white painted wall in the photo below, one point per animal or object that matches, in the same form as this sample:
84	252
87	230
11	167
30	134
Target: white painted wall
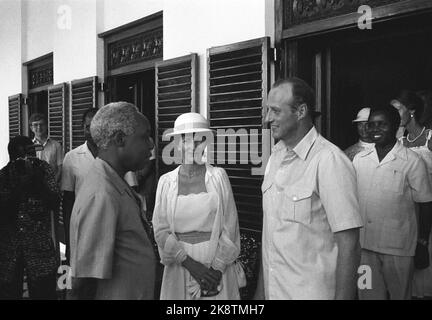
32	28
117	13
75	44
38	27
192	26
10	66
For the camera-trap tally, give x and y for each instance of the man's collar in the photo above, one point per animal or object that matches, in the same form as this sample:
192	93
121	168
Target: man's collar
84	149
398	151
37	141
365	144
119	183
303	147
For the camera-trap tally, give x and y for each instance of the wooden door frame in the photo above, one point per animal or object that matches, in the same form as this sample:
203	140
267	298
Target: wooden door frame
130	38
399	8
288	40
149	26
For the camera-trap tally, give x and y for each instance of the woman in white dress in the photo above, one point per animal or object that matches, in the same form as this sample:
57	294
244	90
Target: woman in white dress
195	223
418	139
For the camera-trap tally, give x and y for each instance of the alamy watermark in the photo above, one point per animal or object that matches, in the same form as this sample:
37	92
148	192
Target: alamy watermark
227	146
64	17
364	281
365	20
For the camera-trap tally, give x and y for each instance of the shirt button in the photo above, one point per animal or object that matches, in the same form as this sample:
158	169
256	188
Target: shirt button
21	229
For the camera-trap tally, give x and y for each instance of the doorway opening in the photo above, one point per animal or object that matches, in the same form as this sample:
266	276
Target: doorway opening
139	89
372	73
40	75
365	68
38	103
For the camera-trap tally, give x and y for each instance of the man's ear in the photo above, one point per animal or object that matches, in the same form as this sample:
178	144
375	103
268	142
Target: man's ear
119	139
302	111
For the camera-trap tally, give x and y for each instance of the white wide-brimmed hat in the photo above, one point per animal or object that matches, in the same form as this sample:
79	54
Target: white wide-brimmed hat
190	122
362	115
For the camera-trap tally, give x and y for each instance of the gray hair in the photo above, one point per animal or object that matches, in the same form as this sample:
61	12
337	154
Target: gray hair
113	118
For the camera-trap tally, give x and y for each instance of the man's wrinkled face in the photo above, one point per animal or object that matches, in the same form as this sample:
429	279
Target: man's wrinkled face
86	127
282	115
137	148
39	128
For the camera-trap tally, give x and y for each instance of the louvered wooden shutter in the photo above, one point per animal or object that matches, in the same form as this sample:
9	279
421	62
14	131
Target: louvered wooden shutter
83	96
176	93
237	89
15	127
57	114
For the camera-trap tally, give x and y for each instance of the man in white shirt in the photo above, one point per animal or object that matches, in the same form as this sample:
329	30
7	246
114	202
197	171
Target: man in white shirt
52	150
364	139
392	182
75	168
310	246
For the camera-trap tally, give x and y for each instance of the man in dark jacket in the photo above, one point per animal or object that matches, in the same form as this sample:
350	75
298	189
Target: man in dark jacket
28	191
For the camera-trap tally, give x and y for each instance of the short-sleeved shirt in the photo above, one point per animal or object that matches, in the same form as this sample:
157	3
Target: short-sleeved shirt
110	237
75	167
388	191
357	148
51	153
309	193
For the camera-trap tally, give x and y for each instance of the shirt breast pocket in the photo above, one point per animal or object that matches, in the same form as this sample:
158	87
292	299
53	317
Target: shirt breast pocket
392	180
297	205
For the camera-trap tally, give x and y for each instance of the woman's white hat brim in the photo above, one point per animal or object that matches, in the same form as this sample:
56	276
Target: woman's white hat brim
185	131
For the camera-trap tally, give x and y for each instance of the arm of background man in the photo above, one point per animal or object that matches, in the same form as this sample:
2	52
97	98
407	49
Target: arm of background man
68	202
259	292
348	261
59	162
68	181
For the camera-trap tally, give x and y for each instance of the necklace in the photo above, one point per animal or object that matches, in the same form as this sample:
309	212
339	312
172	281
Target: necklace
192	174
424	128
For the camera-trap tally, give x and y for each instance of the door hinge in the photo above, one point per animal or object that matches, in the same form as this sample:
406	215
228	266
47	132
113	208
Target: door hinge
102	86
275	54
